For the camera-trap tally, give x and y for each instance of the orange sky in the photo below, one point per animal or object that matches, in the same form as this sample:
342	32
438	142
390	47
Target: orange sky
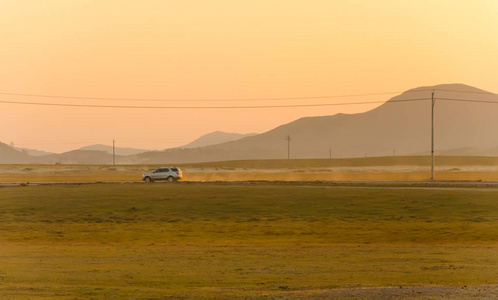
224	49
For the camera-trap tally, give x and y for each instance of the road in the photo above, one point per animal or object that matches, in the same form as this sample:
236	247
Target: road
392	184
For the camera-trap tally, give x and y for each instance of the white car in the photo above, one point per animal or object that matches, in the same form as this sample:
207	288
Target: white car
165	173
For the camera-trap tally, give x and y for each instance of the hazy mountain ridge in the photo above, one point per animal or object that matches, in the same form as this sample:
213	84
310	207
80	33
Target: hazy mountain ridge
118	150
9	155
77	157
102	154
33	152
217	137
400	126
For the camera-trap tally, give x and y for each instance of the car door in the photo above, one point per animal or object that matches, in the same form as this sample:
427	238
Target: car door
163	174
156	175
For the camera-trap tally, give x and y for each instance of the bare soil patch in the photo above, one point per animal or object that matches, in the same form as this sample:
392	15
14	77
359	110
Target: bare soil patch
403	292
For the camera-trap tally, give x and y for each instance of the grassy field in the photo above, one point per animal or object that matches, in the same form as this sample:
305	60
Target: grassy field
207	240
413	168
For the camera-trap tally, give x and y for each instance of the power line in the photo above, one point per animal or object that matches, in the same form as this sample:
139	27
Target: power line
468	100
207	107
466	92
202	100
234	107
228	100
232	99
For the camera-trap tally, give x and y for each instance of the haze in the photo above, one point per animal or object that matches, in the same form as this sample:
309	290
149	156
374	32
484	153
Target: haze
201	50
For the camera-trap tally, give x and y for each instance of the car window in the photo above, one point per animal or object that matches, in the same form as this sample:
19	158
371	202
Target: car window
174	169
165	170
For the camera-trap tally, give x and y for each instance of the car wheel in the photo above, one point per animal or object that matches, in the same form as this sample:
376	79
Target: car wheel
148	180
170	179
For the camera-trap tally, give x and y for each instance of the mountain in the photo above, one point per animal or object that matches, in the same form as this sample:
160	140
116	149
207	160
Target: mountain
78	157
217	137
33	152
465	122
9	155
117	150
401	125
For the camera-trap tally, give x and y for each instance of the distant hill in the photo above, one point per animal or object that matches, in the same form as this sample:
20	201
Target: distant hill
217	137
402	125
9	155
118	150
78	157
469	151
33	152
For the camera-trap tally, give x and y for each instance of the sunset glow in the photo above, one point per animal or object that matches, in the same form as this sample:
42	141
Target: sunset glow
223	50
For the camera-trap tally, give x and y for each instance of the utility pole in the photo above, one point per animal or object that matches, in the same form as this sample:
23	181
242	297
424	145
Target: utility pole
394	152
432	135
330	153
288	138
113	154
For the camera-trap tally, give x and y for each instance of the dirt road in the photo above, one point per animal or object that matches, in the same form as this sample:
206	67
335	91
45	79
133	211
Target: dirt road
401	184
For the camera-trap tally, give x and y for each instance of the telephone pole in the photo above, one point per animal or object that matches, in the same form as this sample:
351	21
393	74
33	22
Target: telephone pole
432	135
288	138
113	154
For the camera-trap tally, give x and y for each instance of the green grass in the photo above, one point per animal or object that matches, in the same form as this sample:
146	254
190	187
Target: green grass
223	240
